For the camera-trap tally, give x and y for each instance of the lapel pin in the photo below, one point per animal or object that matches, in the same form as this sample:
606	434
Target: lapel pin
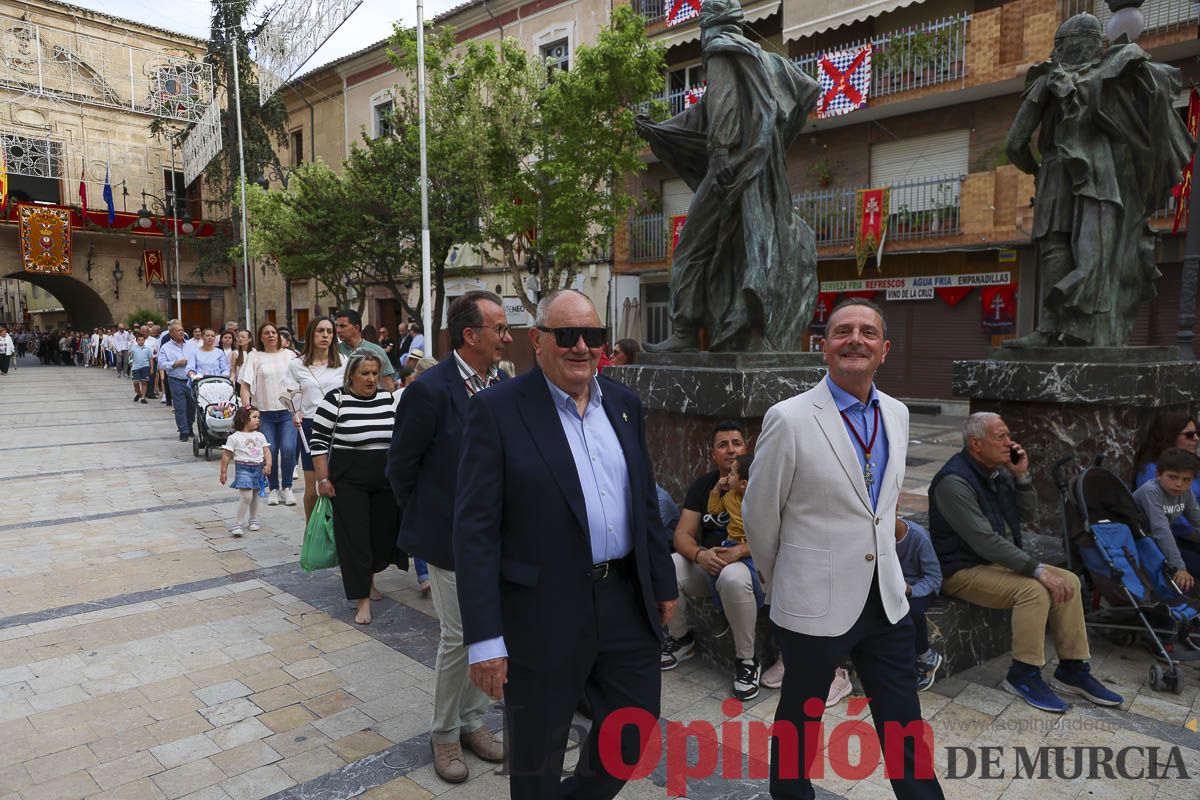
624	416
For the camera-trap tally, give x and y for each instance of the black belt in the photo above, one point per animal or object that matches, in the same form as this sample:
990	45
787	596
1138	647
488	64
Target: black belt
600	571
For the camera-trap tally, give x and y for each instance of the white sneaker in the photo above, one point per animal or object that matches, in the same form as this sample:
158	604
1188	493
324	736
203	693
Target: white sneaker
236	531
287	497
840	687
773	677
273	498
254	526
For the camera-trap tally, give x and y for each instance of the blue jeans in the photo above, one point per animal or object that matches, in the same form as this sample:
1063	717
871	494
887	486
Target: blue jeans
183	404
422	569
280	431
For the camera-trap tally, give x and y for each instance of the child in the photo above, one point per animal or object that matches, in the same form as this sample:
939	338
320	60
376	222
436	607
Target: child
140	357
1165	499
922	579
248	449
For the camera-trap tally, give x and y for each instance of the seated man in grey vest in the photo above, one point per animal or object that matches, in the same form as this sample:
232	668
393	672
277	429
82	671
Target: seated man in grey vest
976	505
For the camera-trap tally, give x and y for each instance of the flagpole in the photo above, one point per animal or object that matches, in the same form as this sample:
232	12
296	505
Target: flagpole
237	93
426	289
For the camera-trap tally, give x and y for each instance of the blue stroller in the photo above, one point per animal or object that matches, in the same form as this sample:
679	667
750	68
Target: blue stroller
1105	534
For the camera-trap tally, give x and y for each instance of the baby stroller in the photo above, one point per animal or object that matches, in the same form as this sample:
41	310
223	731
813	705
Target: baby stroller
216	402
1105	532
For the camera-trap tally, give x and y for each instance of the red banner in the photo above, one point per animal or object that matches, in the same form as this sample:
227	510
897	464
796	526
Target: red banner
821	311
953	295
676	229
998	308
873	211
1183	192
152	263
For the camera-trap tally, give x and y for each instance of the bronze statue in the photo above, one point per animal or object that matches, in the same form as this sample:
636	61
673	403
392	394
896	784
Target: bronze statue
745	266
1112	148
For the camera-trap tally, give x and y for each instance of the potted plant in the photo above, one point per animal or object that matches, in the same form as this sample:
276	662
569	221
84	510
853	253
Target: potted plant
822	172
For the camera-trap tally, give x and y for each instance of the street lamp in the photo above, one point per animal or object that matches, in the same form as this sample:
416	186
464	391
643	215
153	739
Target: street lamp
275	172
1127	20
185	225
117	275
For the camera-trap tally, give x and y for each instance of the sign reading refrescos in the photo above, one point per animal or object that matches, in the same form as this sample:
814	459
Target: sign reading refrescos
920	281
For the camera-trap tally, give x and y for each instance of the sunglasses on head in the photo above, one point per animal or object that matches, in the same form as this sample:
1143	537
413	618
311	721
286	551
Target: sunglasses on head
567	337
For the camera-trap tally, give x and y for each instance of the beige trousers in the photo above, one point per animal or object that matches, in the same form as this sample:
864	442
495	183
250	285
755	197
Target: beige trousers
458	704
737	598
994	586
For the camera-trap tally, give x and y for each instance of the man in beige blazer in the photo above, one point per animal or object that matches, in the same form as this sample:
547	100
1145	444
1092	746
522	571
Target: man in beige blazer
820	515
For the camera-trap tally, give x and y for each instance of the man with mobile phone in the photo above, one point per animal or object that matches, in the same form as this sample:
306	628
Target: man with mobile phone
977	503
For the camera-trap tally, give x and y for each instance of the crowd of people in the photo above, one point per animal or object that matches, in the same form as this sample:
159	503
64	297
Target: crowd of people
580	597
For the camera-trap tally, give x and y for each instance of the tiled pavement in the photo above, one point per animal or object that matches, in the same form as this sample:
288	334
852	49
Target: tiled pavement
144	654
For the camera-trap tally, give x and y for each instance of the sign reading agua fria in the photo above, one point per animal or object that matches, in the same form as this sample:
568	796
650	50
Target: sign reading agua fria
45	238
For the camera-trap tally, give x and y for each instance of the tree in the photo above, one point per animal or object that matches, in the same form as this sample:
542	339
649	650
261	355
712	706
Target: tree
548	151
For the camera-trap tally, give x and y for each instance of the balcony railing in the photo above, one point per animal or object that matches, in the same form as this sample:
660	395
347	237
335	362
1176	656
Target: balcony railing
911	58
1161	15
648	238
652	10
920	209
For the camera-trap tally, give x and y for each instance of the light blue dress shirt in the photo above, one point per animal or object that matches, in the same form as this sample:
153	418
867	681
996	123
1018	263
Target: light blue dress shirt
171	352
861	418
213	362
604	478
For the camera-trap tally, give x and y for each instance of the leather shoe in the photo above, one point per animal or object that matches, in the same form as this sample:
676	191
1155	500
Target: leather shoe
482	743
448	762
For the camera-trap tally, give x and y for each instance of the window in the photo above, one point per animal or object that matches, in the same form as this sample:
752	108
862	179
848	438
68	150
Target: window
383	118
656	299
187	198
297	148
559	54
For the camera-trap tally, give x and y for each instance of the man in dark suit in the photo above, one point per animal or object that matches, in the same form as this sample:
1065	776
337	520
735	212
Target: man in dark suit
422	468
565	578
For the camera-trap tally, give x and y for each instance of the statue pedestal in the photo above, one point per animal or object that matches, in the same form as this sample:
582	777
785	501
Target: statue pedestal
685	394
1080	401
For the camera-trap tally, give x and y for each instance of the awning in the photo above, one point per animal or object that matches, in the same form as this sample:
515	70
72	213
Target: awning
805	17
690	31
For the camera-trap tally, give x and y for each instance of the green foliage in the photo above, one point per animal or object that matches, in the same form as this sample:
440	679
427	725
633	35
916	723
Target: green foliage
144	316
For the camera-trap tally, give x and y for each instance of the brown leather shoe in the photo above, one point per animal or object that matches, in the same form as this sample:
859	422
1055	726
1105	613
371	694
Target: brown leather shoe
482	743
448	762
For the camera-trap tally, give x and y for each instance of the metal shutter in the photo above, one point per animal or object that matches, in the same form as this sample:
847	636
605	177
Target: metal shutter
922	158
927	337
676	197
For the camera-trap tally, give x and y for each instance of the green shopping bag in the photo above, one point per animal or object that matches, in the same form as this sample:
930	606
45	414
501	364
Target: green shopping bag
318	550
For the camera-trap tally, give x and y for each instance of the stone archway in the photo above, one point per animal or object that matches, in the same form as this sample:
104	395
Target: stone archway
85	309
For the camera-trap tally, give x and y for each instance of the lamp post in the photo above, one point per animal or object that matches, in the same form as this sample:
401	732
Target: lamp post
145	222
117	275
273	171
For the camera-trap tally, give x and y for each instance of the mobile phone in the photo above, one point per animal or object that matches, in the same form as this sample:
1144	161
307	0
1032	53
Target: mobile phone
1014	453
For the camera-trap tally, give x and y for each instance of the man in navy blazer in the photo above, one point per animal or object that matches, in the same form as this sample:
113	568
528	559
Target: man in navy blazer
565	578
423	468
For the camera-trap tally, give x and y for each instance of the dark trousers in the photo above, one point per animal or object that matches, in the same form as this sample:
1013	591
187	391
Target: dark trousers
5	358
917	606
183	404
365	518
884	659
166	386
615	665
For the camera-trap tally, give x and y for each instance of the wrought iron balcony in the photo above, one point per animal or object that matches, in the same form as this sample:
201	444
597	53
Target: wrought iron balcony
652	10
1161	15
648	238
911	58
920	209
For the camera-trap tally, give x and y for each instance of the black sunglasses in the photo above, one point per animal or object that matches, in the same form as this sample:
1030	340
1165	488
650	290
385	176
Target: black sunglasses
1189	434
567	337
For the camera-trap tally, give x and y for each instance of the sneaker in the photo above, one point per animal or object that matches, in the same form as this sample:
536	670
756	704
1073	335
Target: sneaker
1028	685
136	397
927	667
236	531
273	498
164	401
676	651
143	401
773	677
1078	680
745	679
183	437
287	497
448	762
254	526
840	688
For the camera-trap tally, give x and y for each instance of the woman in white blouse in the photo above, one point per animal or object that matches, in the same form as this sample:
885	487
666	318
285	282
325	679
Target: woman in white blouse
317	372
263	380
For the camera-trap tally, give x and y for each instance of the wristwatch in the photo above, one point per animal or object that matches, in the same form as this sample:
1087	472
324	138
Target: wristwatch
323	480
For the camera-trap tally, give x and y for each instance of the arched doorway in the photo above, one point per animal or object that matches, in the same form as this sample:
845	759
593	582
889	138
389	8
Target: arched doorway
85	309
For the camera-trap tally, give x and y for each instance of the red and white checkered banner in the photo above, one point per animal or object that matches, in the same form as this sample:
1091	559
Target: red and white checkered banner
681	11
845	80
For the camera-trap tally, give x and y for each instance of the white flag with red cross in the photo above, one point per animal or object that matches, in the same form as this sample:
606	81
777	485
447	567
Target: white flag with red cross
845	80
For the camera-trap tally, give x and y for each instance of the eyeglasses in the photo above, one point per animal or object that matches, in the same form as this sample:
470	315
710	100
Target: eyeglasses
1190	434
501	330
567	337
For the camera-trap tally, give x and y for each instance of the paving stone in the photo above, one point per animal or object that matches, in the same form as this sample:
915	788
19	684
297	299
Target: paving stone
179	727
220	692
358	745
275	698
210	793
125	770
230	711
237	734
188	778
286	719
75	786
343	723
330	703
257	783
311	764
184	751
266	679
141	789
61	763
296	741
405	789
245	758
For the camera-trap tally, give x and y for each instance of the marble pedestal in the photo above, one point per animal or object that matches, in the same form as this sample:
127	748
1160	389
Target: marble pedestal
1080	402
685	394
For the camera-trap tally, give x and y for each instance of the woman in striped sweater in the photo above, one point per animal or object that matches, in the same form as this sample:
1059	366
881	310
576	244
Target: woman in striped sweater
351	431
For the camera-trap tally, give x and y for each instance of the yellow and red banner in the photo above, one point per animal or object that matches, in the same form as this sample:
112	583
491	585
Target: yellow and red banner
1183	192
3	177
45	235
871	223
152	263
